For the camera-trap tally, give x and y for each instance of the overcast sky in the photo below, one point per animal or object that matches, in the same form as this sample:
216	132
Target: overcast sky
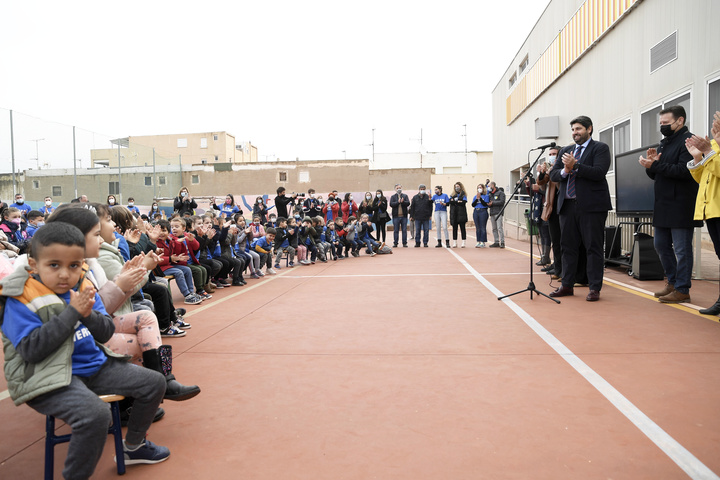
305	79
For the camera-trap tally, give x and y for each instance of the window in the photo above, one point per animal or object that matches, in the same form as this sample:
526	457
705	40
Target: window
182	143
114	188
216	158
195	179
203	143
161	180
204	161
56	191
512	80
36	184
215	137
304	176
683	101
523	65
713	101
617	138
148	181
282	176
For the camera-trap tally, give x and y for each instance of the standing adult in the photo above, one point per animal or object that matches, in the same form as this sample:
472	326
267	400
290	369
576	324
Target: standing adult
458	213
311	205
184	203
399	204
380	216
132	207
441	201
497	201
282	201
537	200
21	205
583	203
349	207
111	201
705	169
228	207
480	215
675	194
48	208
549	213
421	212
260	210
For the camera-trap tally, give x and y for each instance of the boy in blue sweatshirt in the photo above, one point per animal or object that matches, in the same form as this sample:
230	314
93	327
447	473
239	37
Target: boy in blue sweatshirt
263	246
53	329
282	239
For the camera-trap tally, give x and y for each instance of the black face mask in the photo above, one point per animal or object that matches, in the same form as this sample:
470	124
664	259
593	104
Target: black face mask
666	130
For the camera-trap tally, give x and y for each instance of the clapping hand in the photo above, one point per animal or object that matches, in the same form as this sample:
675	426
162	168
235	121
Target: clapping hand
83	301
132	236
154	233
652	157
569	161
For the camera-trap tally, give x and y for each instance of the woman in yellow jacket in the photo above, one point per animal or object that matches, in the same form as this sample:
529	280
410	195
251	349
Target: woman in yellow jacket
705	169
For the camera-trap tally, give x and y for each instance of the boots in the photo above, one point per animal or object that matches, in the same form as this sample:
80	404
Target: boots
545	257
447	243
439	245
174	390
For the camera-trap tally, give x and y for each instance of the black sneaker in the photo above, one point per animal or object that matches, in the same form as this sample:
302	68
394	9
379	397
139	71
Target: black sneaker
125	415
148	452
494	245
180	312
502	245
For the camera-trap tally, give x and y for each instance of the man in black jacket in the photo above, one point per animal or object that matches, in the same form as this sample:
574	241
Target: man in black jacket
583	204
399	204
421	210
673	211
282	202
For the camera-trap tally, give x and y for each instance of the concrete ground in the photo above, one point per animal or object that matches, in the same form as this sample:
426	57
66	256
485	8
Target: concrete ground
407	366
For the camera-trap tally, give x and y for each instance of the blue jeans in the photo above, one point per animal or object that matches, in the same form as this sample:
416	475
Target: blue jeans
183	278
480	217
674	247
422	226
400	223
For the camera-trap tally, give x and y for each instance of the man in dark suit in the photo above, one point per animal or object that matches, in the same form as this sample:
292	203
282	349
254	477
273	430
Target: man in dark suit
583	202
674	209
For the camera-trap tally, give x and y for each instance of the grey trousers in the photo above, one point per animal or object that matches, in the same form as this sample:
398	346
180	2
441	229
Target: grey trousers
441	220
89	417
497	228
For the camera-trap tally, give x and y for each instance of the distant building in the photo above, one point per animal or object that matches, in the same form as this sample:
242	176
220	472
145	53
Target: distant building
472	162
177	149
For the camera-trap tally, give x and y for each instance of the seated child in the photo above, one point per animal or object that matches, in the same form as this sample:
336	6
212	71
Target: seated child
263	246
322	244
14	228
229	239
363	235
186	245
35	220
350	237
173	262
333	240
308	237
282	242
54	357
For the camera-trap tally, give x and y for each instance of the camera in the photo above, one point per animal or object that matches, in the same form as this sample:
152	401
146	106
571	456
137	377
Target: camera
301	195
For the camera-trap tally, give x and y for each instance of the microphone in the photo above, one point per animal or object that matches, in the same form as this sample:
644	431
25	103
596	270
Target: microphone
543	147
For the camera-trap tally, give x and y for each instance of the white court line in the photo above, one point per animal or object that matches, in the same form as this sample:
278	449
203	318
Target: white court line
4	394
382	275
672	448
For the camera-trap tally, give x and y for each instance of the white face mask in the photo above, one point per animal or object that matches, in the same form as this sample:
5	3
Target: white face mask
368	197
480	190
422	192
48	202
20	201
111	202
350	198
377	195
130	204
312	195
551	159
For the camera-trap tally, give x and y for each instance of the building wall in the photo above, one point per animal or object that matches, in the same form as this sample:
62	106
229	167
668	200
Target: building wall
409	178
442	162
612	81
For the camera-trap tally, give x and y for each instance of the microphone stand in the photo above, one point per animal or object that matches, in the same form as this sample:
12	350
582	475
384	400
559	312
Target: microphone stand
531	286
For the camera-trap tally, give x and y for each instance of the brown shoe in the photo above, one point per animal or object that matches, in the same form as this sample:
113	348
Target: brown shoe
675	297
555	277
562	292
593	296
210	287
665	291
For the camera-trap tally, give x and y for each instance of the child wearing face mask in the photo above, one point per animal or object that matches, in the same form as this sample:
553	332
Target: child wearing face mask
331	209
311	207
260	210
365	206
131	206
256	228
111	201
14	228
35	220
153	210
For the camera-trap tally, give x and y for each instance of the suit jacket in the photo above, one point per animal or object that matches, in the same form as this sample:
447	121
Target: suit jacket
591	187
402	201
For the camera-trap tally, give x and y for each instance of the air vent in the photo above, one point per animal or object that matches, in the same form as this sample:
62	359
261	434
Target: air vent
664	52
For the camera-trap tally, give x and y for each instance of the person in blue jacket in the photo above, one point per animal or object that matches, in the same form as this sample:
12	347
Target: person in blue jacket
228	208
132	207
480	215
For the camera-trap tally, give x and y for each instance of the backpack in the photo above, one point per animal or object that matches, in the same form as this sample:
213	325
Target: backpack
386	249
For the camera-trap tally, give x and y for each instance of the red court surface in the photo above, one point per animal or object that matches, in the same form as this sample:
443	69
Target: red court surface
406	366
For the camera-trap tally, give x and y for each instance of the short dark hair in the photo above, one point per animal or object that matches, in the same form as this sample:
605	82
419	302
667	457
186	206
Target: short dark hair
281	219
81	217
56	233
557	148
677	111
582	120
270	231
34	214
164	224
280	190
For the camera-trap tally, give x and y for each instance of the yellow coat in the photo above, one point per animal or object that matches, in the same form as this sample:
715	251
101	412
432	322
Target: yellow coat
707	175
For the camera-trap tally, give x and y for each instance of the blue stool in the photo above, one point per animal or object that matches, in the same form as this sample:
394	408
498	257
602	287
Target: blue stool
51	439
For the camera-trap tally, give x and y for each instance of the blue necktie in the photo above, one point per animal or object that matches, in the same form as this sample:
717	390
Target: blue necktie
571	178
